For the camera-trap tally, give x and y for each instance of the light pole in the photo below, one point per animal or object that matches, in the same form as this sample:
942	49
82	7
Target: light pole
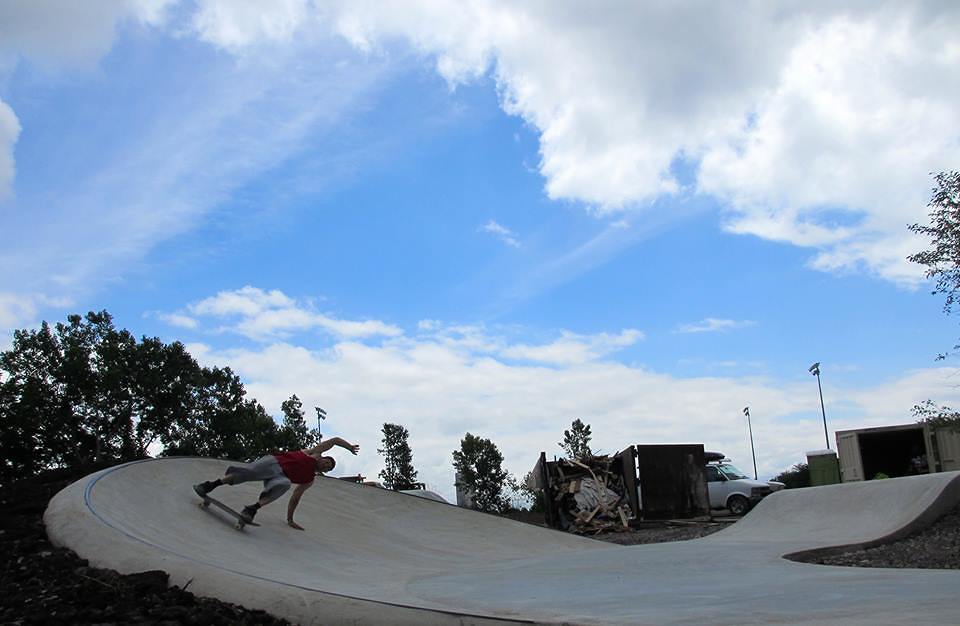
815	370
746	411
321	416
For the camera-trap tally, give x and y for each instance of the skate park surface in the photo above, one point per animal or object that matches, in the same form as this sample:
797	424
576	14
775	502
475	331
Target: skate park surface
374	556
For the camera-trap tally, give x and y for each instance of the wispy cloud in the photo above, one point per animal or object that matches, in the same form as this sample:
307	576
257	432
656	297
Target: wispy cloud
714	325
572	348
9	132
170	174
264	315
503	233
178	319
21	309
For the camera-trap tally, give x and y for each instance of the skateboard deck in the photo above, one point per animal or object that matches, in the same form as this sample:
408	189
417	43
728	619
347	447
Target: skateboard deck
207	501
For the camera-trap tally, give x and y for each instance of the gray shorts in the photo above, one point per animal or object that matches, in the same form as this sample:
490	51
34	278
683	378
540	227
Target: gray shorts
267	469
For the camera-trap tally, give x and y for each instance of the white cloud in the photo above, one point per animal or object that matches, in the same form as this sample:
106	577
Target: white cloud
440	391
712	325
503	233
247	301
235	24
572	348
178	319
265	315
863	110
16	309
817	123
68	34
9	132
19	310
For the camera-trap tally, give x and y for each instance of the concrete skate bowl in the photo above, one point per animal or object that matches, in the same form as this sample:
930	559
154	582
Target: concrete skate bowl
374	556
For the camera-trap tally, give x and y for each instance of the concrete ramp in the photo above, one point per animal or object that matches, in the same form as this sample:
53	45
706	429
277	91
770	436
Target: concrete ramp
373	556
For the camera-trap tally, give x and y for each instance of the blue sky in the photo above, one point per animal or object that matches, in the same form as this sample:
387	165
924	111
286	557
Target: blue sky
495	218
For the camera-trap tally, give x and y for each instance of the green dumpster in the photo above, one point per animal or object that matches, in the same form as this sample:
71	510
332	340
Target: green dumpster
824	468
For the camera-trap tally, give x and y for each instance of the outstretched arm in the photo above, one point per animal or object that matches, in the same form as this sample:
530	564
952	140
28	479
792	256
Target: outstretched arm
334	441
294	501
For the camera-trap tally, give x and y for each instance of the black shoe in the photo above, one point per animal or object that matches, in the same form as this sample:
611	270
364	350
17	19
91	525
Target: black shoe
204	488
248	513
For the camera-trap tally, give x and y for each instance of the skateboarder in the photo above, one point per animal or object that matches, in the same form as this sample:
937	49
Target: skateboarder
278	471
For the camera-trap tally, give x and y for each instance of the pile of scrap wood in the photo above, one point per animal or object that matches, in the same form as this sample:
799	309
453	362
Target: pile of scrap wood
589	494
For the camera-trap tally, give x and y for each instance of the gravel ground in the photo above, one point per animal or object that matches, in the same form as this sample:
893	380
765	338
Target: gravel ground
46	585
659	533
936	547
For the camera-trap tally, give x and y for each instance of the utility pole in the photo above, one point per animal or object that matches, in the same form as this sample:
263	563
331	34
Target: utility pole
746	411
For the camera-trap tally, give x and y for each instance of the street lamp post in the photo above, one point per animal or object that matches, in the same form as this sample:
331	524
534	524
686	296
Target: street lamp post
815	370
746	411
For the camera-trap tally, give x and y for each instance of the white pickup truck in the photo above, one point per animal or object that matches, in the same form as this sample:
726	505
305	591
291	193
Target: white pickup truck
730	489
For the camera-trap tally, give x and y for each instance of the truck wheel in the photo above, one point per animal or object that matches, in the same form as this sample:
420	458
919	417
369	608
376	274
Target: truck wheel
738	505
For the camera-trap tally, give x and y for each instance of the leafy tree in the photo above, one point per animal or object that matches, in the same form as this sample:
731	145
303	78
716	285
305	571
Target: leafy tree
222	422
27	396
67	395
942	262
83	393
576	441
534	497
398	472
936	415
294	433
479	464
795	477
942	259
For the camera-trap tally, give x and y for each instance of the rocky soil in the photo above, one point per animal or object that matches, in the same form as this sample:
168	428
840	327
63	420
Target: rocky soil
43	584
936	547
46	585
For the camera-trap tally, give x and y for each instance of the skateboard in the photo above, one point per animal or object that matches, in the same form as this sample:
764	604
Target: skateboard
207	501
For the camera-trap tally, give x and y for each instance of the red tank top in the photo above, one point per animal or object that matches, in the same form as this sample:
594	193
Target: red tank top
299	467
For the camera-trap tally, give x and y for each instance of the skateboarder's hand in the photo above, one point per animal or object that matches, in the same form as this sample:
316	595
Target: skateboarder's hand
293	524
355	448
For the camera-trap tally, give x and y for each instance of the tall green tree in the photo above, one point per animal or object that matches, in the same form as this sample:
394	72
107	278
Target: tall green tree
576	441
82	393
479	465
398	472
942	263
222	422
67	395
295	434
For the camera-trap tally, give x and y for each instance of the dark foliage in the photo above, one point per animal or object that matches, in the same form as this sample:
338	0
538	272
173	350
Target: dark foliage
82	393
942	259
576	441
398	472
936	415
942	262
294	433
479	465
43	584
795	477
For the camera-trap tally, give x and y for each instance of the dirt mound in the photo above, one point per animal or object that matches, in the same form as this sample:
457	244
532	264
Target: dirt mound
43	584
